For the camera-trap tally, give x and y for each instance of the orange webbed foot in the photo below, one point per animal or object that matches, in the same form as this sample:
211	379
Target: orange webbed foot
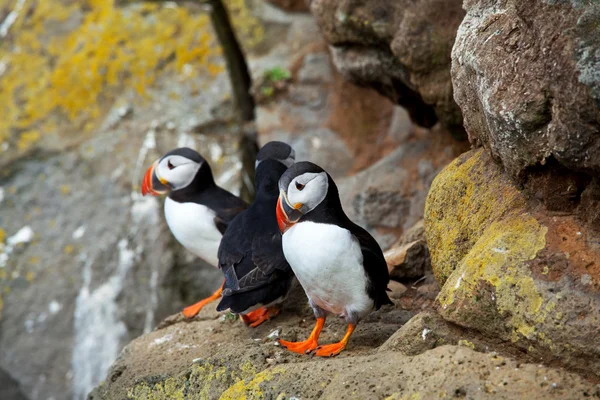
305	347
194	309
257	317
310	344
330	350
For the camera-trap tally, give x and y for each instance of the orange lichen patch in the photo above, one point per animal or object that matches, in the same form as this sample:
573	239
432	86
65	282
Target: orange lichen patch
568	251
55	75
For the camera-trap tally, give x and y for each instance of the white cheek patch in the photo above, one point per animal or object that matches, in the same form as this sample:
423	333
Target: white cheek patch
313	193
181	175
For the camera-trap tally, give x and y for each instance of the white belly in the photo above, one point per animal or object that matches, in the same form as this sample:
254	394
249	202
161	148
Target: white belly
327	261
193	225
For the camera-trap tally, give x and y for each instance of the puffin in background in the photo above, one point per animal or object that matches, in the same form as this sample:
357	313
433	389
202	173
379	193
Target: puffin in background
197	210
257	275
339	264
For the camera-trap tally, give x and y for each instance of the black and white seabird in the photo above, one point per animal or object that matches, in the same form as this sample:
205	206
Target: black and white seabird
197	210
257	276
339	264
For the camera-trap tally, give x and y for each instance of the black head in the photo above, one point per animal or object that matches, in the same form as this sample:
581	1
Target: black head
278	151
176	170
303	187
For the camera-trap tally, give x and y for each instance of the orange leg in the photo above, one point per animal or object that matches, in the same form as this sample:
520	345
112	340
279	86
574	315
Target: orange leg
330	350
194	309
257	317
309	344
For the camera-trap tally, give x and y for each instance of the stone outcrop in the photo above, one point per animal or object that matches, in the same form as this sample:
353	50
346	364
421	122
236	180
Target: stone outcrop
510	269
401	48
219	358
381	162
526	76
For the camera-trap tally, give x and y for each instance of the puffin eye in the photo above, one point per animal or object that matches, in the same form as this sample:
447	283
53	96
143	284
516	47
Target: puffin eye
299	186
169	165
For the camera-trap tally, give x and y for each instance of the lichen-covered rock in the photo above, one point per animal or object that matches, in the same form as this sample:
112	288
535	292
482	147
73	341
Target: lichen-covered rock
401	48
222	359
86	263
510	270
526	76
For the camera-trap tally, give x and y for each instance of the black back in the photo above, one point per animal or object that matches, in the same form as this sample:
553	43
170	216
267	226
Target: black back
203	190
330	211
251	255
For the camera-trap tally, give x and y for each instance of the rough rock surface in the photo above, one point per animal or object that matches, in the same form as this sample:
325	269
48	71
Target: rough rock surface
409	261
511	270
388	198
216	358
346	129
326	119
399	47
291	5
86	263
526	76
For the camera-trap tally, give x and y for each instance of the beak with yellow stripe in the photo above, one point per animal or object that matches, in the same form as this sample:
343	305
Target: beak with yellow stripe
176	170
301	189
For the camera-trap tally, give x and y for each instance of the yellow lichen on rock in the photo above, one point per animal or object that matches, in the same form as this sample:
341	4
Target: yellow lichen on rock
52	75
463	200
252	389
481	237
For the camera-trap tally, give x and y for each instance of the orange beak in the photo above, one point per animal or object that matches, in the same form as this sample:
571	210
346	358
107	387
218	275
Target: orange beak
151	184
283	213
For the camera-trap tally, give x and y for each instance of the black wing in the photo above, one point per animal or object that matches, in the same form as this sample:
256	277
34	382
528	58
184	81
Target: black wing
251	254
227	209
374	265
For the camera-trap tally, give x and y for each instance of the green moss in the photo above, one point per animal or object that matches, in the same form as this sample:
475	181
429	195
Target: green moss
277	74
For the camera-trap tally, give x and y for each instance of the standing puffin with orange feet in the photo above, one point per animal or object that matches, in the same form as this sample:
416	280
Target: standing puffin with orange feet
339	264
257	275
197	210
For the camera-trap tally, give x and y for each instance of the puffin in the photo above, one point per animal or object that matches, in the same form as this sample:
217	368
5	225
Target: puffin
196	209
338	263
257	275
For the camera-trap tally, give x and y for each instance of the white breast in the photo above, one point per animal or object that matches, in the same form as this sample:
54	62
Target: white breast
327	261
193	225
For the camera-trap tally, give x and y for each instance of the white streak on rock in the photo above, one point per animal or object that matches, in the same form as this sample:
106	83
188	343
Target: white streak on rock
24	235
11	18
79	232
425	333
54	307
98	329
161	340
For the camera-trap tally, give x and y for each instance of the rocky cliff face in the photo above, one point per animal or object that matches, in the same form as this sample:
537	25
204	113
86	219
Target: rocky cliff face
401	48
512	226
514	243
86	263
526	77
